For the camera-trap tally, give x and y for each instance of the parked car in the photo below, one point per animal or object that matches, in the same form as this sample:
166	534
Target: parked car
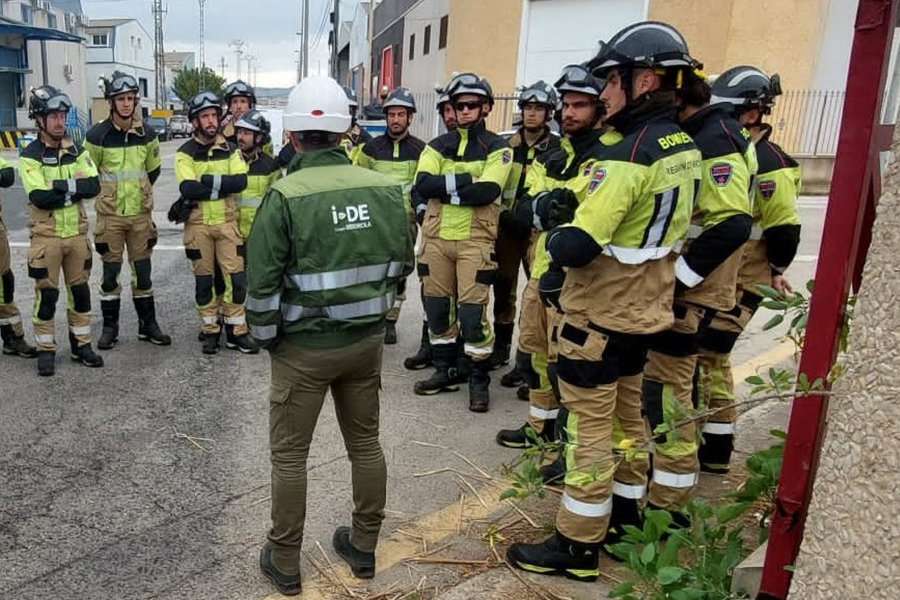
160	126
180	126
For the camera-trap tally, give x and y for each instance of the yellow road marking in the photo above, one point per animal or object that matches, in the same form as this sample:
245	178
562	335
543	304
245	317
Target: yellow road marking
395	548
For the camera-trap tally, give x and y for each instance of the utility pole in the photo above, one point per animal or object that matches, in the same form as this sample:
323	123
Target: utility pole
238	46
222	65
250	59
159	59
335	50
368	85
306	39
202	48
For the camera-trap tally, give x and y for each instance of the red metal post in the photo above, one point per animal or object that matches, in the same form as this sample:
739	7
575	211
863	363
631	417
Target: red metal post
853	187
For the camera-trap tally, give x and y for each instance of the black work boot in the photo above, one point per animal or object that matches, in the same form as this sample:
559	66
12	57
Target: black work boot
84	354
625	511
463	362
210	342
523	393
390	333
519	438
445	377
555	472
289	585
513	378
244	343
557	555
148	328
502	342
46	363
361	563
479	382
422	358
110	335
15	344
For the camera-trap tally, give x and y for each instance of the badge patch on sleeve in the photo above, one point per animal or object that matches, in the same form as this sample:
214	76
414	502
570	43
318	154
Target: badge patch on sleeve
587	169
721	174
507	157
767	189
598	178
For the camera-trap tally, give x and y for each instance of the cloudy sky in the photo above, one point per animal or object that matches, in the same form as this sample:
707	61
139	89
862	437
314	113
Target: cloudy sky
268	28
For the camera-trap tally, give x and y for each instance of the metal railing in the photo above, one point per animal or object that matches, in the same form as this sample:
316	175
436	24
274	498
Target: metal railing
804	122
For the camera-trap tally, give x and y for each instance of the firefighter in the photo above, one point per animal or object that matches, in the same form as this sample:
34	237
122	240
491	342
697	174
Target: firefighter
462	174
619	256
396	153
210	171
355	136
240	97
536	102
772	246
126	154
556	175
706	273
445	110
57	175
321	285
11	332
422	358
252	130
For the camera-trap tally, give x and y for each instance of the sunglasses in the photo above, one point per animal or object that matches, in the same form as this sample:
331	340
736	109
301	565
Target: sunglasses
460	106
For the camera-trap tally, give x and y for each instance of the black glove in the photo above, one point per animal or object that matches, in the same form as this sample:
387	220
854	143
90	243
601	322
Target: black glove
550	286
180	211
561	207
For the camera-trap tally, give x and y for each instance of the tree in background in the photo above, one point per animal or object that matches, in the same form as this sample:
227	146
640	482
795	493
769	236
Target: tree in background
187	83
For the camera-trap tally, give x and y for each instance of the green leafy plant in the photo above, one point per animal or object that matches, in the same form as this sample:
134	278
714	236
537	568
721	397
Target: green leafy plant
670	563
187	83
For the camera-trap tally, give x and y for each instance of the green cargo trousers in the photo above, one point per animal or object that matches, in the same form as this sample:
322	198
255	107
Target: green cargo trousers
300	379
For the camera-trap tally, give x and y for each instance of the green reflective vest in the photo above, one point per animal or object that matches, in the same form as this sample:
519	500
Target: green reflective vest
325	254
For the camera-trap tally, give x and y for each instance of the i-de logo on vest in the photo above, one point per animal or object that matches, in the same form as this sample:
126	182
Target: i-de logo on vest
351	217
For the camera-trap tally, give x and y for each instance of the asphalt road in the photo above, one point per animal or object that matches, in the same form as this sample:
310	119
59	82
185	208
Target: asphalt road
104	496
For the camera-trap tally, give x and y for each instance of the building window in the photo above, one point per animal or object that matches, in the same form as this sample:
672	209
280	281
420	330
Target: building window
27	14
51	20
426	46
442	36
100	39
412	46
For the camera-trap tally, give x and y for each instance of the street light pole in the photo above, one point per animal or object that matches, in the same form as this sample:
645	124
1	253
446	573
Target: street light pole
202	48
237	45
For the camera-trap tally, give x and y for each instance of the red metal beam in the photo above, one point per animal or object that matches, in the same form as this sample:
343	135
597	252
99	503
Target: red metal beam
850	210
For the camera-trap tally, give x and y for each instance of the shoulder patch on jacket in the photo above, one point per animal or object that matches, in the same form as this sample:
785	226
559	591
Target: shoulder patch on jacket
720	173
767	189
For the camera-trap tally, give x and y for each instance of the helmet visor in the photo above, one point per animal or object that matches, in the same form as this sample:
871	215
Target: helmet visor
122	84
57	103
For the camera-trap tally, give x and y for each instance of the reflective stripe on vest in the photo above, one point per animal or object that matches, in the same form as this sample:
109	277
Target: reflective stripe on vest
264	332
332	280
637	256
263	304
248	202
363	308
585	509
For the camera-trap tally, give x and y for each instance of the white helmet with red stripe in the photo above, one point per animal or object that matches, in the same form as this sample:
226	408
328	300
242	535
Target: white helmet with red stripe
317	104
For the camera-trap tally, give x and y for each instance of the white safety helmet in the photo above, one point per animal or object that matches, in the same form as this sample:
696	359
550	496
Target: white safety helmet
317	104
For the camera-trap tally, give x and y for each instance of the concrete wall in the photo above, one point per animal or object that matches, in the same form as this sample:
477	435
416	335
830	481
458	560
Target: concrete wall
852	533
559	32
65	70
359	46
779	36
424	72
484	37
